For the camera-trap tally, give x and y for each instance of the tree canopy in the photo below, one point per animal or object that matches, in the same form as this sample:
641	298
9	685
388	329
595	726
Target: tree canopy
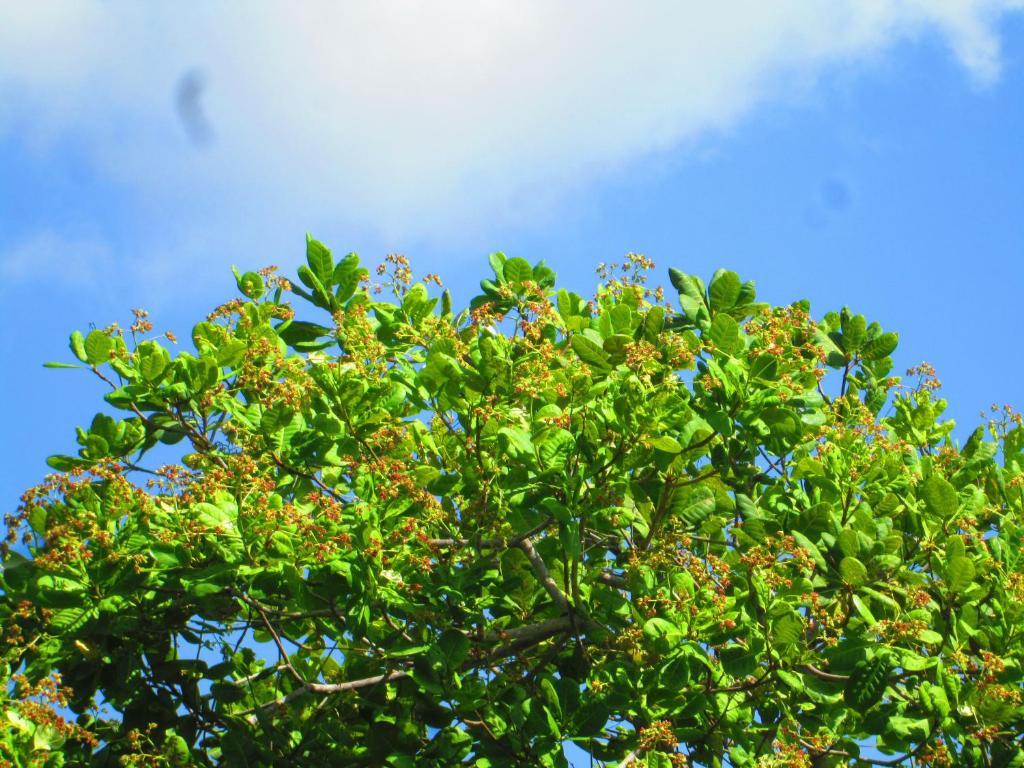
354	525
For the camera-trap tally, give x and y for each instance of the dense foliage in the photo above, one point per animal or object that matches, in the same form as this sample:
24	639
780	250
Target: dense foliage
394	534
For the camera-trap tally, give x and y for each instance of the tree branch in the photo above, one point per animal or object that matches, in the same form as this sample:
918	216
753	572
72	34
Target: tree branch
544	576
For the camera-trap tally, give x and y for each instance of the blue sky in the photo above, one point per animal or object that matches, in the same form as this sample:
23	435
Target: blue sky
858	153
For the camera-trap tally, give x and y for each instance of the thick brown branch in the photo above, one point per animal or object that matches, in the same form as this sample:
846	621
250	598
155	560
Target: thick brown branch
329	688
541	571
536	631
490	543
821	674
612	580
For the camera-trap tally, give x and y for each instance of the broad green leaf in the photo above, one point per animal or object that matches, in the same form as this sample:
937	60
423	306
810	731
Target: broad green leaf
853	571
939	496
692	507
320	293
320	261
867	683
517	441
909	728
251	285
654	322
665	634
517	270
929	636
555	447
667	443
811	548
854	328
849	542
566	304
787	628
723	290
960	573
551	697
880	347
77	344
98	347
590	353
454	646
67	463
70	619
725	334
497	261
346	276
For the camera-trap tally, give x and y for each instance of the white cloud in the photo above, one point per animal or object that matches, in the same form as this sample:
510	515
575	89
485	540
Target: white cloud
422	119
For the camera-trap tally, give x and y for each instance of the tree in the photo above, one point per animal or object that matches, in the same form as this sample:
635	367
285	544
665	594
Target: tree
396	535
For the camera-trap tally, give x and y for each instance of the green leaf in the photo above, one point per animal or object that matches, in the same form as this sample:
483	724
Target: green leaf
677	278
812	549
67	463
53	364
305	336
783	424
70	619
497	262
320	261
151	360
854	329
930	636
692	507
765	367
787	628
251	285
940	497
909	728
566	304
591	719
665	634
853	571
202	589
834	356
653	323
320	294
848	542
346	276
517	442
98	346
555	447
880	346
723	290
960	573
167	555
867	683
725	334
518	270
454	646
667	444
556	509
590	353
77	344
177	750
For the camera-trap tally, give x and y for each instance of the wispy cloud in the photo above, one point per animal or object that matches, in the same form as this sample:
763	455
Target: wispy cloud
420	119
